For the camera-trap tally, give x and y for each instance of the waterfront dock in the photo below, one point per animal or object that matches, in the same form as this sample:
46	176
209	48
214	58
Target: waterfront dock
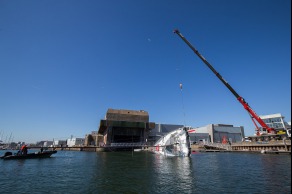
271	147
282	146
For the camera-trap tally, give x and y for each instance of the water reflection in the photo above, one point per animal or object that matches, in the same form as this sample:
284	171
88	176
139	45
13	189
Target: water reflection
173	173
122	172
142	172
126	172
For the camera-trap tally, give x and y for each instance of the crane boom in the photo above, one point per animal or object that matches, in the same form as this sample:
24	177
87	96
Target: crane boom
250	111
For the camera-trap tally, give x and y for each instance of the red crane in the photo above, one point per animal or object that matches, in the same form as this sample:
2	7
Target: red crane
250	111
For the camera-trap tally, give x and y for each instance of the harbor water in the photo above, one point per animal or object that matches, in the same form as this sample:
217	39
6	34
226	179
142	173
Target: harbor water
144	172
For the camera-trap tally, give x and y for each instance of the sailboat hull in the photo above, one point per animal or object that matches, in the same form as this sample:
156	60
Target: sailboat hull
175	143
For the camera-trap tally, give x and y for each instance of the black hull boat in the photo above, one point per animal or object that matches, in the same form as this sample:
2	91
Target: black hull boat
45	154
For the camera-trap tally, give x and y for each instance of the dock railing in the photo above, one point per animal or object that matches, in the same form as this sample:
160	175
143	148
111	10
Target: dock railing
127	145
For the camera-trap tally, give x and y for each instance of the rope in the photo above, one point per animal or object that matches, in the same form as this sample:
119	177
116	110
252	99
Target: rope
183	107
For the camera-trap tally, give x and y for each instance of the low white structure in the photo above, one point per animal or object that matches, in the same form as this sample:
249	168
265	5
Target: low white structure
75	142
41	143
62	143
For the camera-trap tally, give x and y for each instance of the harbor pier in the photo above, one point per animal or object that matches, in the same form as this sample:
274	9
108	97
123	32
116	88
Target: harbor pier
264	147
276	147
272	147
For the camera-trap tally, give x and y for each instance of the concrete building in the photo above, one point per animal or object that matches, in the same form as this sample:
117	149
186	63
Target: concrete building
130	127
277	122
75	142
197	138
44	143
61	143
215	133
124	127
93	139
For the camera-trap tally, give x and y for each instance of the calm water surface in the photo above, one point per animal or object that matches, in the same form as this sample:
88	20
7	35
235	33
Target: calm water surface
142	172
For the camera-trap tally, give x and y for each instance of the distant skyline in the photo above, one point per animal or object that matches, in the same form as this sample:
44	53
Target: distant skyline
64	63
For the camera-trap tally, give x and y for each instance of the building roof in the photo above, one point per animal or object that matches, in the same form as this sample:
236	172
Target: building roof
127	115
277	115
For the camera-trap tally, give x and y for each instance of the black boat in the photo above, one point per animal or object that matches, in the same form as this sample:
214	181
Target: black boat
44	154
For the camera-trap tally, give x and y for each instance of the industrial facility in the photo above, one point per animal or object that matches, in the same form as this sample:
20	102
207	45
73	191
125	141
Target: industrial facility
277	122
122	128
131	128
217	133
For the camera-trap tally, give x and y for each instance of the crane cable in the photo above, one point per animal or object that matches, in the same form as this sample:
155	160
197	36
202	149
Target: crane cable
180	76
183	106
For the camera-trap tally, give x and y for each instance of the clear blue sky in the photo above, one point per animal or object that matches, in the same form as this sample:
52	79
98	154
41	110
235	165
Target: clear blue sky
63	63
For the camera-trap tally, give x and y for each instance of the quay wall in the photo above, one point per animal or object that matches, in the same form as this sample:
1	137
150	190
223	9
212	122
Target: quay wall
271	146
82	148
76	148
263	146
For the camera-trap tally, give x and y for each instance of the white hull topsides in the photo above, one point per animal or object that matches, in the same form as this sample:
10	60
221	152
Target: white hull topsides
175	143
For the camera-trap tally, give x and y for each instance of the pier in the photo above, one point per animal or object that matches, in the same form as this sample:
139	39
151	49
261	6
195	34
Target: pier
276	147
270	147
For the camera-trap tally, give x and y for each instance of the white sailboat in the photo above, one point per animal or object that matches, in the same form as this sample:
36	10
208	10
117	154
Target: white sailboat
175	143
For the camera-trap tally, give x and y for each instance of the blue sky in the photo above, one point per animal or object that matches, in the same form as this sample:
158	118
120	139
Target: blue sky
64	63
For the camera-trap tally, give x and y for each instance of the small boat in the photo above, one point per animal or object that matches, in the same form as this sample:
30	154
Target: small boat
175	143
44	154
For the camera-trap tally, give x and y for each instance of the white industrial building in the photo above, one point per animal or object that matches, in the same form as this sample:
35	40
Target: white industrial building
277	122
44	143
62	143
75	142
212	133
215	133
